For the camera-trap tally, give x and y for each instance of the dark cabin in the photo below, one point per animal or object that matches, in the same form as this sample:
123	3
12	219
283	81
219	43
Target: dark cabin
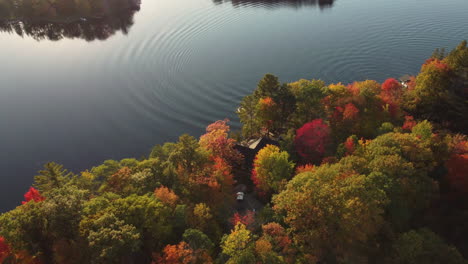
250	148
405	79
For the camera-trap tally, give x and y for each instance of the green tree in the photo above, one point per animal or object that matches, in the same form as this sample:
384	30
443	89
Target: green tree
423	246
203	219
268	86
438	54
110	240
405	160
458	58
197	240
105	170
63	211
286	102
308	96
160	173
149	216
248	117
386	127
188	155
52	176
270	105
42	227
432	86
423	130
333	212
440	95
85	180
162	151
25	228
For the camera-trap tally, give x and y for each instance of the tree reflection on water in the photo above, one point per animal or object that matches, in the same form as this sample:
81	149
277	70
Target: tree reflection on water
55	20
279	3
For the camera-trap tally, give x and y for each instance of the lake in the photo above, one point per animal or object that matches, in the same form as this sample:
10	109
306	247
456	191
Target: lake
86	90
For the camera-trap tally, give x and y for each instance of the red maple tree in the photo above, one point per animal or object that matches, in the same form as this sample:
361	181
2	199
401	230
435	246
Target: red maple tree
390	94
457	167
176	254
312	140
34	195
440	65
350	111
4	249
247	219
409	123
218	142
350	145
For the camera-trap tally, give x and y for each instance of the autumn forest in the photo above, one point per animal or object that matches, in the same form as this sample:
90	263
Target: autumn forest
364	172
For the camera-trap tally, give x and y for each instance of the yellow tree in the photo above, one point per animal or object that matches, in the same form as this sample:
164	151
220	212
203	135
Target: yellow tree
238	245
272	169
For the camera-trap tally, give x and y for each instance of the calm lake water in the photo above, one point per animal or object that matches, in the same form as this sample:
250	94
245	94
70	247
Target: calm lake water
88	91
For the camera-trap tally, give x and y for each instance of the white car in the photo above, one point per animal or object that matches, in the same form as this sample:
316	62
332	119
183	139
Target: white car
240	196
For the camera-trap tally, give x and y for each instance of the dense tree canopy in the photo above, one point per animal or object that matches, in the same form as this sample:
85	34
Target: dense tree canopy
332	212
440	94
423	246
358	173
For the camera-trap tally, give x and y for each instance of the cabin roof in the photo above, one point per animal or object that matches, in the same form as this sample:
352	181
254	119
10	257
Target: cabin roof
250	148
405	78
255	143
252	144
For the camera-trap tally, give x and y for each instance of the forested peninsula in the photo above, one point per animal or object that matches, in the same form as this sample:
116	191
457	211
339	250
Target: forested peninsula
320	173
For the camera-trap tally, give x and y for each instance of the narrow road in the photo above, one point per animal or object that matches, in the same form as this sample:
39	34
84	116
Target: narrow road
250	202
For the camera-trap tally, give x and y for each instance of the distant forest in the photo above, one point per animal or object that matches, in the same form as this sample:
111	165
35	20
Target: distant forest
272	3
365	172
55	20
